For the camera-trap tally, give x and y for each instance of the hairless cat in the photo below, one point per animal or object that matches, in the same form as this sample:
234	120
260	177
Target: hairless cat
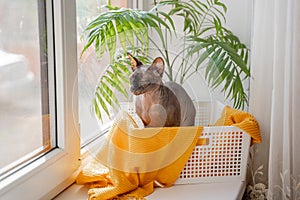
159	104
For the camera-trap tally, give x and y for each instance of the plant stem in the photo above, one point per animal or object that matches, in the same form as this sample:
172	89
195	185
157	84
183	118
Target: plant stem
162	54
205	16
183	69
165	45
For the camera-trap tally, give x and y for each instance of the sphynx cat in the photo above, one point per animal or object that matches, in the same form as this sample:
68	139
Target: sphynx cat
159	104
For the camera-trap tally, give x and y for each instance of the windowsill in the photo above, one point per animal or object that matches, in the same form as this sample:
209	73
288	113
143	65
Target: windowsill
74	192
229	190
226	191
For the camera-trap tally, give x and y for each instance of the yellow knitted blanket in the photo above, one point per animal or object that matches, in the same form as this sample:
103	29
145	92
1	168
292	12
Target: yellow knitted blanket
132	161
242	120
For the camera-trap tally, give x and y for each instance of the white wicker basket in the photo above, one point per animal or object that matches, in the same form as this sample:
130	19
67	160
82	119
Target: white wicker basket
224	156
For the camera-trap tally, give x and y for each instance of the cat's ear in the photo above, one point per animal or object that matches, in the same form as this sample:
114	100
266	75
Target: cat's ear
135	63
159	65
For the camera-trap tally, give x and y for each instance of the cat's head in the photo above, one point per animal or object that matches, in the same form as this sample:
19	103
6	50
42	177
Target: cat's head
145	78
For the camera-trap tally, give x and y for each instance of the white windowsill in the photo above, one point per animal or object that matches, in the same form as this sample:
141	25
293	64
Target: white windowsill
230	190
212	191
74	192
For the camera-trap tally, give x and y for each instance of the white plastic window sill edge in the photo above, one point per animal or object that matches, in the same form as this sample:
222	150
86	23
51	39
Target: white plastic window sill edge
28	177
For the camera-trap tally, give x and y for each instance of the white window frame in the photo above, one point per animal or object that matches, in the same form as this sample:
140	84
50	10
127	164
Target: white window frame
51	173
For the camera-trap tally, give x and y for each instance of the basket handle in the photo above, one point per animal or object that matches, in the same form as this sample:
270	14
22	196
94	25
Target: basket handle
202	141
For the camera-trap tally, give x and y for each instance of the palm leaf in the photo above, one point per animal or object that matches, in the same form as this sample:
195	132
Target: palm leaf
100	101
122	34
97	110
128	24
227	64
115	78
111	39
196	14
111	98
115	82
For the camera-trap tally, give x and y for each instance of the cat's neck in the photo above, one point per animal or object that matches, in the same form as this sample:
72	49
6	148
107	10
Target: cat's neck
157	91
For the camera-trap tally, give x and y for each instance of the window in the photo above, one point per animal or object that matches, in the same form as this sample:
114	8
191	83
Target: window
90	69
38	98
26	100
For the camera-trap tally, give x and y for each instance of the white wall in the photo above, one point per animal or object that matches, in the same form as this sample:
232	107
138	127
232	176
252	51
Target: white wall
239	18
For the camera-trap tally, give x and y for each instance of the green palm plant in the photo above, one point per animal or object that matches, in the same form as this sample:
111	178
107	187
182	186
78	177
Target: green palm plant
207	44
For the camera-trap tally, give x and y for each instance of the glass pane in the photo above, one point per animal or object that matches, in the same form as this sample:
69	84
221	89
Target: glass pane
90	69
24	83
